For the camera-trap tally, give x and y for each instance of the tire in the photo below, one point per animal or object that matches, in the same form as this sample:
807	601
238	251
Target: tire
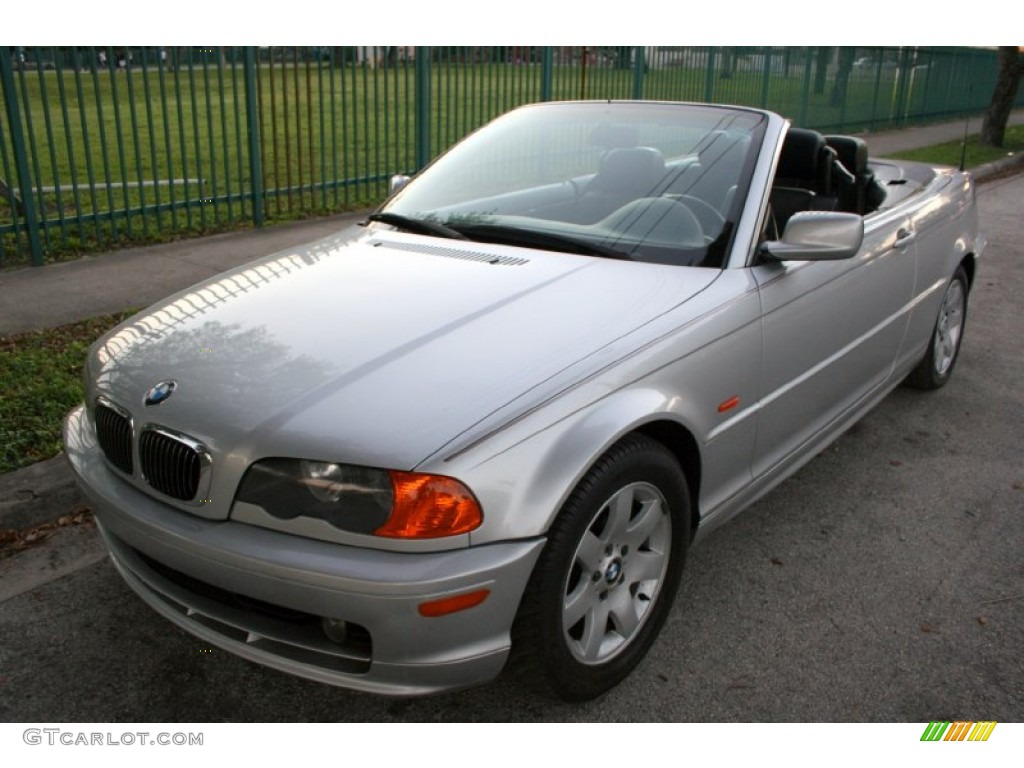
936	367
606	579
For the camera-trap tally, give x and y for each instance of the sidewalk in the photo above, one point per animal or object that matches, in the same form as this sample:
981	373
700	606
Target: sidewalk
45	297
887	142
55	294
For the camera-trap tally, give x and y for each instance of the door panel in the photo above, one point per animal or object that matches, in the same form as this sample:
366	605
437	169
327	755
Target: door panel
832	330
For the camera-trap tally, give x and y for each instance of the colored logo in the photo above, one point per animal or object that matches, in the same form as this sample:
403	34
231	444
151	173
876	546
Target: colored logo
614	571
958	731
160	392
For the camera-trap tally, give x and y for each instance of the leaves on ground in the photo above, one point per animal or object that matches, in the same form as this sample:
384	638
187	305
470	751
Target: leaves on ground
14	541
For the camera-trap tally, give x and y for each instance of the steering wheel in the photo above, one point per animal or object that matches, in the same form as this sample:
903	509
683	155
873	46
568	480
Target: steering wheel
711	221
662	220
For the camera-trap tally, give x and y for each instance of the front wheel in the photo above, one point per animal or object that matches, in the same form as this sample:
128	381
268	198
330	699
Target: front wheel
605	582
936	367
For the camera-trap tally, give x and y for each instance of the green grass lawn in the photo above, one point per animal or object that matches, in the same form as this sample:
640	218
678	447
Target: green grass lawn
949	153
42	381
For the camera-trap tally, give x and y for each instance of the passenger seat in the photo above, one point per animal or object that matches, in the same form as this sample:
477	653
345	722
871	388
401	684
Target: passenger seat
865	195
803	181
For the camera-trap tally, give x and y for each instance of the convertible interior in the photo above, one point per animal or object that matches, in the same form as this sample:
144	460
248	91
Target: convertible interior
822	173
677	209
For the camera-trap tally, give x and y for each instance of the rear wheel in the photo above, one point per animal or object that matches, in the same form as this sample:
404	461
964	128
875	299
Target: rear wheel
605	582
936	367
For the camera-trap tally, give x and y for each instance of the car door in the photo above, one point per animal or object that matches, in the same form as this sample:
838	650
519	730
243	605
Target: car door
832	330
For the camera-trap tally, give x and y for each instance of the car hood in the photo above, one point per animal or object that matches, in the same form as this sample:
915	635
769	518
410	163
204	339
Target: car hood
376	347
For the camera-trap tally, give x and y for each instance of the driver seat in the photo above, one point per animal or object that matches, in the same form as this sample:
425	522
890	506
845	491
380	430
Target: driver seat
625	174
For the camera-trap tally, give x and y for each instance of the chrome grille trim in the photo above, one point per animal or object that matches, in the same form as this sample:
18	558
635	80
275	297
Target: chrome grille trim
114	431
174	464
156	458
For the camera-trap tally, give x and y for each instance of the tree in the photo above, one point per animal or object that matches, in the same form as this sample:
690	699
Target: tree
822	57
728	63
847	55
1011	67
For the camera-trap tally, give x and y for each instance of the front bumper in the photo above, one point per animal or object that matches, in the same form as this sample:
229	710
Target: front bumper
261	594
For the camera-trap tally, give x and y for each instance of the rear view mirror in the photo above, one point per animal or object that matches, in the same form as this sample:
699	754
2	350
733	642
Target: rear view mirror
817	236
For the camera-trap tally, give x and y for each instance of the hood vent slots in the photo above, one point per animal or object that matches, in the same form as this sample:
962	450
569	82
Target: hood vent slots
455	253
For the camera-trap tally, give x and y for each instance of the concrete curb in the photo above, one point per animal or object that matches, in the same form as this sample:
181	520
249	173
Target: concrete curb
997	168
37	494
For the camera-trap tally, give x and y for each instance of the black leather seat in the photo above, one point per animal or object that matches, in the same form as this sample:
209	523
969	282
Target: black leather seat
783	203
803	180
864	196
806	163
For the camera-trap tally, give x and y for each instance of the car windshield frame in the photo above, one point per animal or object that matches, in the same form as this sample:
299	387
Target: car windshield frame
647	181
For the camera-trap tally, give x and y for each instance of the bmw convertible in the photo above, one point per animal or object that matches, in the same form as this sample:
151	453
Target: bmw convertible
482	429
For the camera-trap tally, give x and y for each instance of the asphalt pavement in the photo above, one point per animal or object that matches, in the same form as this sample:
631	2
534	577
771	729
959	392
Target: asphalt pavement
883	582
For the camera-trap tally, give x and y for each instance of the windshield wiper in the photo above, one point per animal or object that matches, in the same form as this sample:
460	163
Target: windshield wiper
419	226
506	235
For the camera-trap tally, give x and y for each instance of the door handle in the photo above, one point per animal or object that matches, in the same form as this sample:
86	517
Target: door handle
903	237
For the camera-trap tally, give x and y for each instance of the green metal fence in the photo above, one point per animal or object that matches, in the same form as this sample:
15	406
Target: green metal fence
101	146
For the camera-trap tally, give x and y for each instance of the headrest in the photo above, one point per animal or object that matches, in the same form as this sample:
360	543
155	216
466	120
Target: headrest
636	169
852	152
802	152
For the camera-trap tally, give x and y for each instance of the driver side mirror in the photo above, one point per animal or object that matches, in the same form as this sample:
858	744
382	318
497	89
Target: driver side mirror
817	236
397	181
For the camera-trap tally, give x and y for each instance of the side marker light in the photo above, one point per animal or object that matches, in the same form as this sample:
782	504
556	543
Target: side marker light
447	605
729	404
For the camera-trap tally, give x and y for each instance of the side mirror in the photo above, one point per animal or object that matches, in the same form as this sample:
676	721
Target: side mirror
817	236
397	181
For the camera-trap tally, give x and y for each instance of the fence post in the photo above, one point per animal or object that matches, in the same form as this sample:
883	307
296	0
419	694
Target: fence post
423	54
806	96
766	75
252	113
639	69
902	78
709	77
546	72
20	157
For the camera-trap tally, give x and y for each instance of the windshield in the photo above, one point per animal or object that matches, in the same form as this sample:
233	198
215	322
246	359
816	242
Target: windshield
650	182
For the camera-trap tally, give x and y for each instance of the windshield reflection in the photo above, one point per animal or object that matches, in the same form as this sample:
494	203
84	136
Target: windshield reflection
652	182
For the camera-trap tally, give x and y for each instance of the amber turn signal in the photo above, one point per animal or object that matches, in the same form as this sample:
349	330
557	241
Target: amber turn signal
448	605
430	506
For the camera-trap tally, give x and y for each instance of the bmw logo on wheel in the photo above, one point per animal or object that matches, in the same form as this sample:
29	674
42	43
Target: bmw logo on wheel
160	392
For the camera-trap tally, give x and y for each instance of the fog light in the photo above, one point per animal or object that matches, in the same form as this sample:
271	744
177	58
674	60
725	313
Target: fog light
335	629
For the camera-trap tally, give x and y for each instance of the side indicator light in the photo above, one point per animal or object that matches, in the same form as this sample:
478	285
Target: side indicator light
447	605
729	404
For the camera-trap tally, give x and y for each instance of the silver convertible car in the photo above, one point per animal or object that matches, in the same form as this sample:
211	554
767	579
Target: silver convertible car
485	426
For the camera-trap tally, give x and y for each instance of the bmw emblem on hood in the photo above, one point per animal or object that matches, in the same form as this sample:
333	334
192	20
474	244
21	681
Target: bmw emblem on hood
160	392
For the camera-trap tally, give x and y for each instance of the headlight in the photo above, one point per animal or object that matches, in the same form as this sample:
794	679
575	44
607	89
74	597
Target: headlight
379	502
